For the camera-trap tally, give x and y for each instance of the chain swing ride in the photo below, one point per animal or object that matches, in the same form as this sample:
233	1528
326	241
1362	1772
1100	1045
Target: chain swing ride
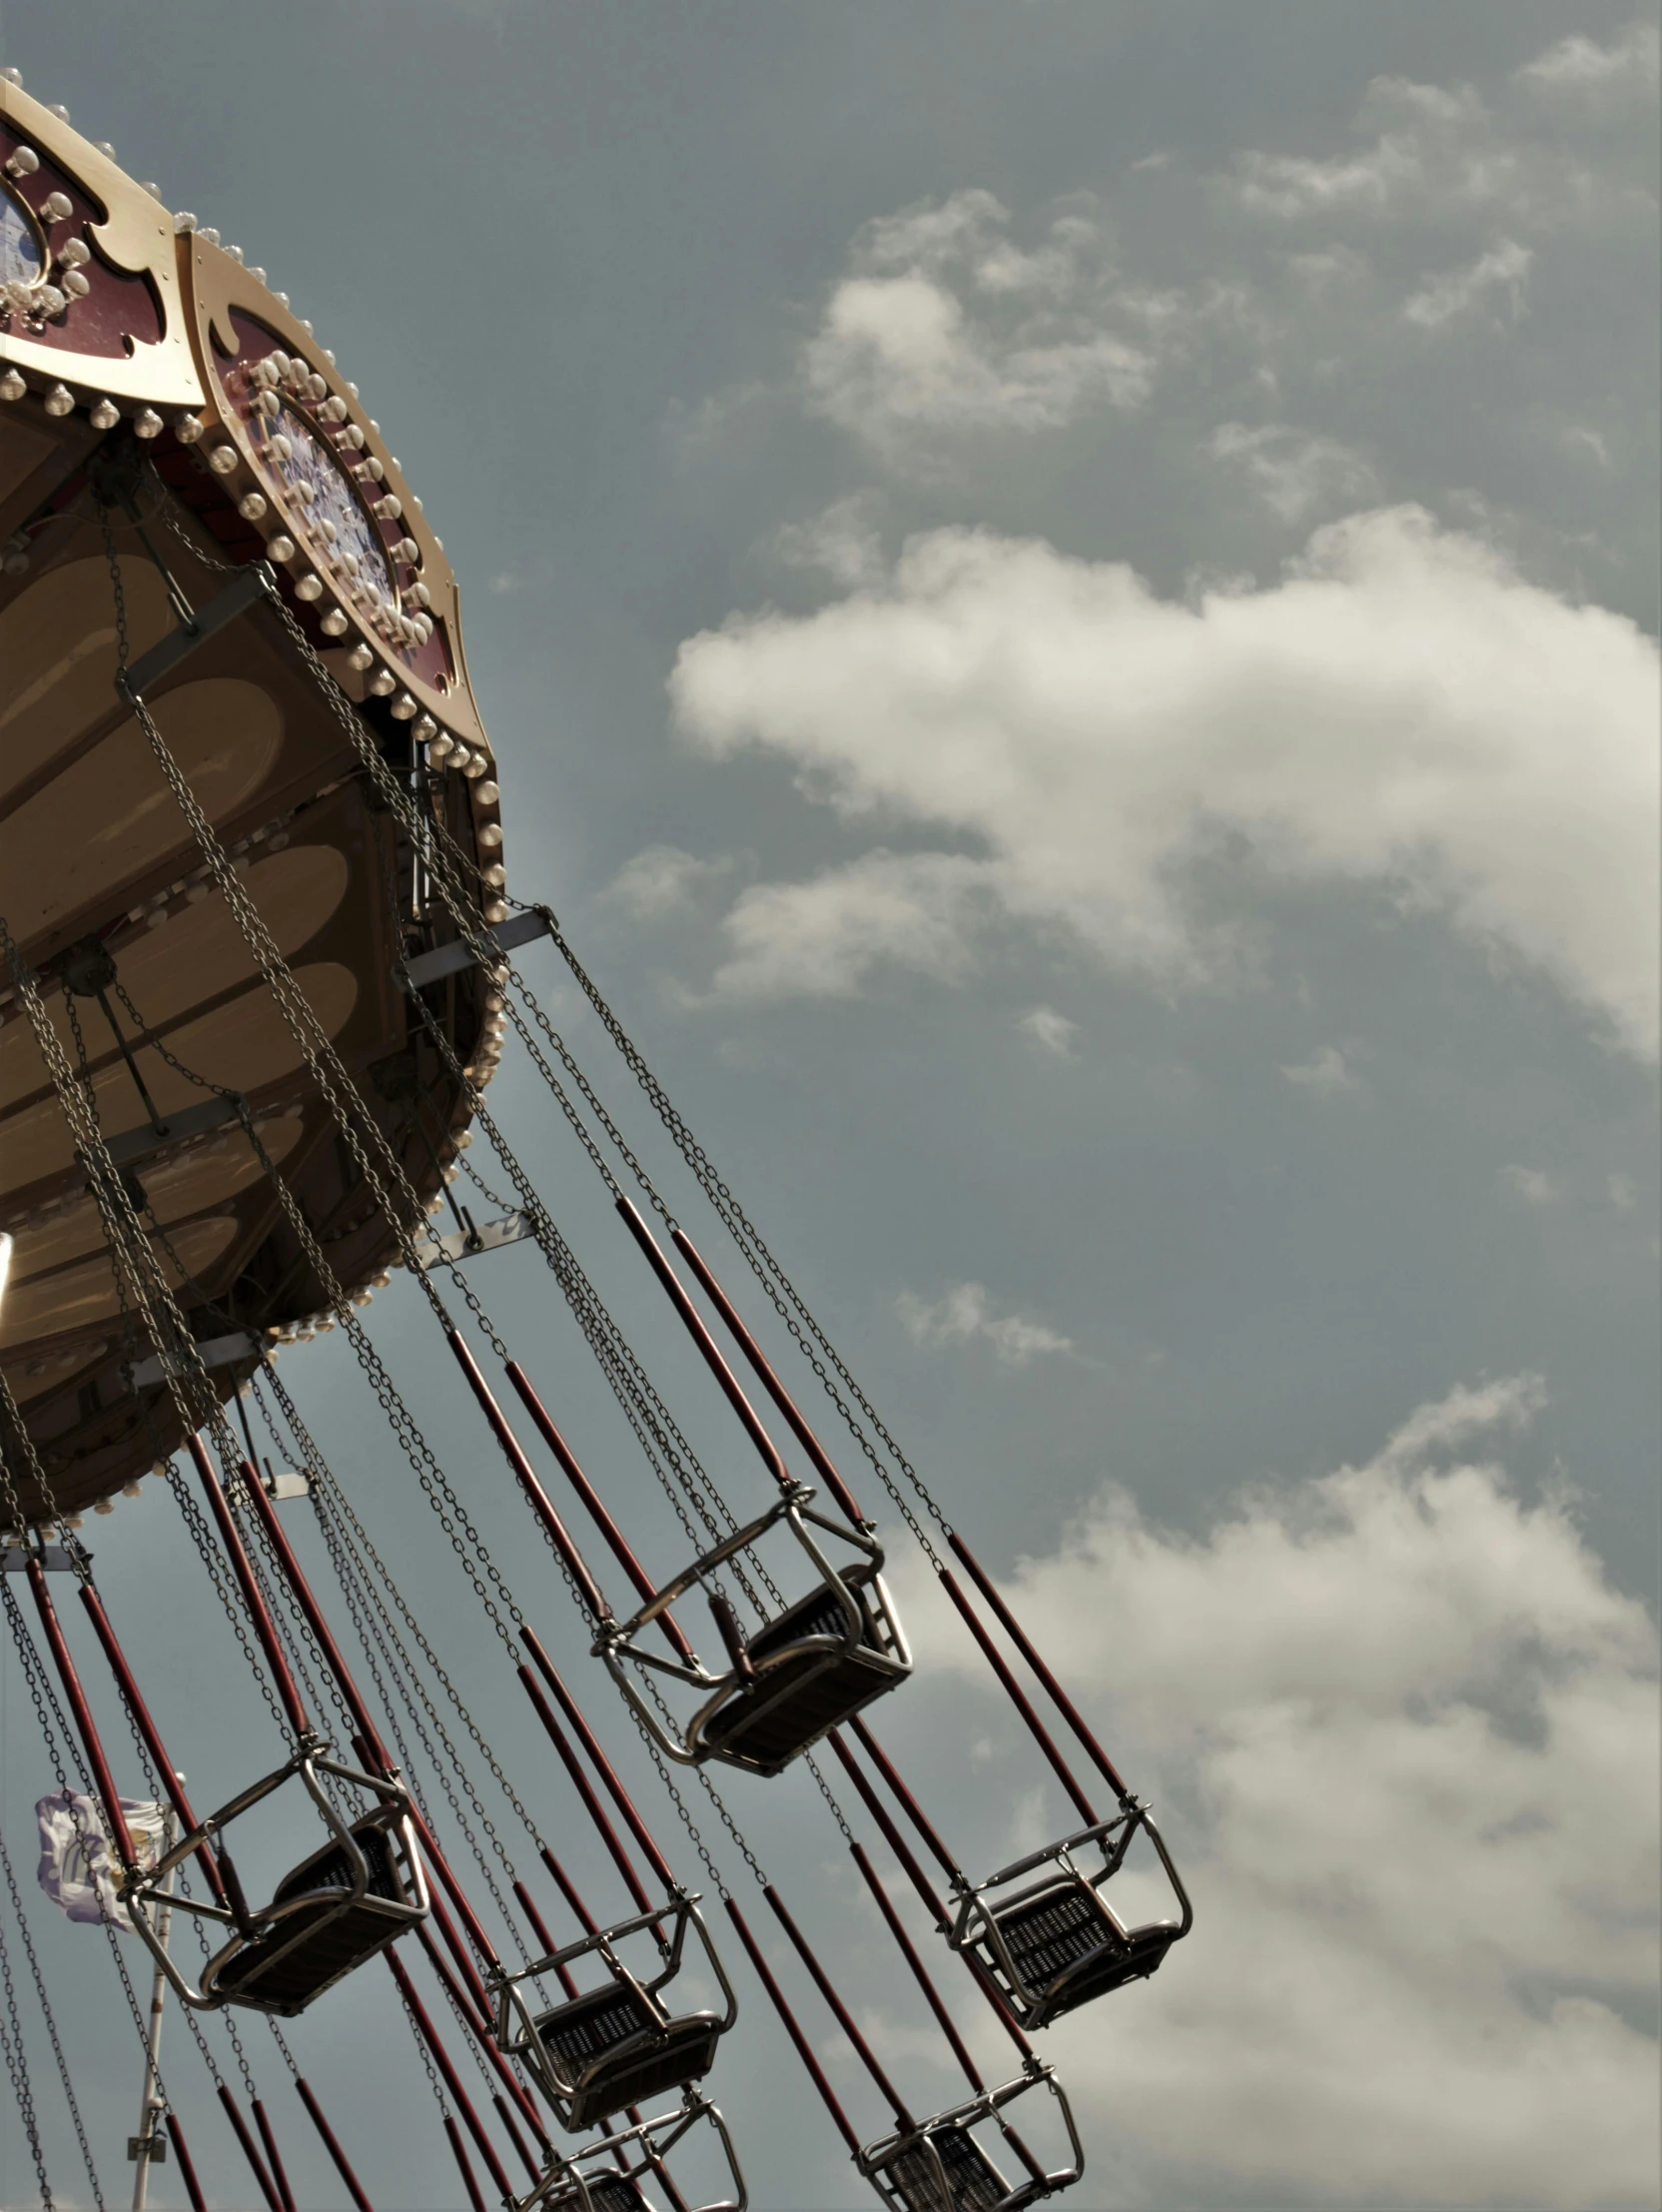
258	972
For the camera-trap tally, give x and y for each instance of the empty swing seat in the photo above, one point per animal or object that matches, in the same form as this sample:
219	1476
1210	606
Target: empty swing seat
317	1929
810	1676
947	2155
1060	1945
610	2047
604	2193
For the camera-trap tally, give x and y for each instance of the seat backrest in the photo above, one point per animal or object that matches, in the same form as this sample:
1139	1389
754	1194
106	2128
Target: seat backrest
329	1868
819	1614
591	2024
974	2183
1065	1922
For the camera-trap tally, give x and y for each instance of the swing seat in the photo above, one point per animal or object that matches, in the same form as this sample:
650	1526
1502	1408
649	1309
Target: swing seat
809	1675
318	1927
915	2178
598	2193
1062	1945
612	2047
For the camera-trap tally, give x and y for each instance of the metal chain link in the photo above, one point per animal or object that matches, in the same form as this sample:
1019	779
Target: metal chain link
51	2025
17	2065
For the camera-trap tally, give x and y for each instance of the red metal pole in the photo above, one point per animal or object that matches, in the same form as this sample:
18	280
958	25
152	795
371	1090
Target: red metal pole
457	1896
295	1575
602	1765
748	1416
253	1597
787	2018
569	1891
481	2034
1019	1698
148	1731
644	1588
452	2083
539	1931
187	2166
285	2193
541	1503
909	1805
518	2141
460	2150
596	1811
1060	1697
257	2165
919	1972
103	1779
331	2145
847	1503
845	2019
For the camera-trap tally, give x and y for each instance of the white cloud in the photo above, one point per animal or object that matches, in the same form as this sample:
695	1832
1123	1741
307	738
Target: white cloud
662	880
1293	470
1504	269
1054	1031
943	325
1402	707
1532	1185
1326	1074
823	938
1403	1732
965	1316
841	541
1623	1193
1580	65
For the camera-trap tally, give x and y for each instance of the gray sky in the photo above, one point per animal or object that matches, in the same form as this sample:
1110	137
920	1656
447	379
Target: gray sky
1067	596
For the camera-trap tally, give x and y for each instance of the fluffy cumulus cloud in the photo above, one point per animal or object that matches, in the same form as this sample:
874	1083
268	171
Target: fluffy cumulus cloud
1400	706
1404	1733
965	1316
1626	66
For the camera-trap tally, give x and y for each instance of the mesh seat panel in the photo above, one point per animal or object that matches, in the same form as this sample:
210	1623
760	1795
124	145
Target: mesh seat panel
974	2183
1067	1948
307	1950
610	2048
607	2193
798	1698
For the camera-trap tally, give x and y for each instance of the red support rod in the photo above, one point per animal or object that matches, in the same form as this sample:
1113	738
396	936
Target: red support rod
253	1597
919	1972
516	2138
187	2166
257	2165
1058	1697
749	1419
457	1896
104	1781
602	1765
845	2019
295	1575
481	2034
148	1731
539	1929
909	1805
541	1504
460	2150
331	2145
787	2018
644	1588
847	1503
286	2196
585	1789
442	2059
1018	1698
569	1891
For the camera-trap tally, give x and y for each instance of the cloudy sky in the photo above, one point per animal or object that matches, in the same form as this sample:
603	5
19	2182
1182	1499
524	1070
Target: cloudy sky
1067	595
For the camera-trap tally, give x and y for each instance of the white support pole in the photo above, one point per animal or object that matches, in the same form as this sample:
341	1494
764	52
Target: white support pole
153	2107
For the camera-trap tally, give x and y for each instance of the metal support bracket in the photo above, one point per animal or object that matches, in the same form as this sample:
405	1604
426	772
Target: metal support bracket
54	1559
142	675
196	1121
216	1351
428	967
458	1245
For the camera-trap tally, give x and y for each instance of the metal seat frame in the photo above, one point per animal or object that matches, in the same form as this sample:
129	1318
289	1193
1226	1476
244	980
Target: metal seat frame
574	2183
518	2025
878	2160
980	1922
887	1660
144	1897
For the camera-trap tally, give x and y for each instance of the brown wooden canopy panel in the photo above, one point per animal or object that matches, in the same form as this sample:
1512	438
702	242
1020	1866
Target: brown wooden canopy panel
146	376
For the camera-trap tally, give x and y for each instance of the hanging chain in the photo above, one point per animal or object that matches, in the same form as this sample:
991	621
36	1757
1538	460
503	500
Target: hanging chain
51	2023
17	2065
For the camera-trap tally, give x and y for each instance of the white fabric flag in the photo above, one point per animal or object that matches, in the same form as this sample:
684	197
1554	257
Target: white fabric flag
79	1870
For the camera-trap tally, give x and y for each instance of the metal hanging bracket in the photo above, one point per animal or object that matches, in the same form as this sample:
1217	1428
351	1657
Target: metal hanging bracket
137	681
428	967
216	1351
196	1121
463	1244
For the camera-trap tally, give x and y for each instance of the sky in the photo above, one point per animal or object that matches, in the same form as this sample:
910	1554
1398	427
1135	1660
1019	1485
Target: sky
1067	599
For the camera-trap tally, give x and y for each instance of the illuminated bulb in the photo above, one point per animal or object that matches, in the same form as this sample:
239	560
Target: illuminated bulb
131	1489
24	162
269	406
183	223
404	707
407	551
494	878
450	1174
56	207
351	436
105	416
187	429
465	1140
434	1205
59	110
12	386
495	911
359	656
252	506
151	185
487	794
73	253
105	1504
334	624
73	283
477	765
209	233
361	1297
50	300
60	400
236	252
421	594
257	274
148	423
490	836
223	459
317	388
374	468
390	508
310	587
280	548
425	730
383	682
333	410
